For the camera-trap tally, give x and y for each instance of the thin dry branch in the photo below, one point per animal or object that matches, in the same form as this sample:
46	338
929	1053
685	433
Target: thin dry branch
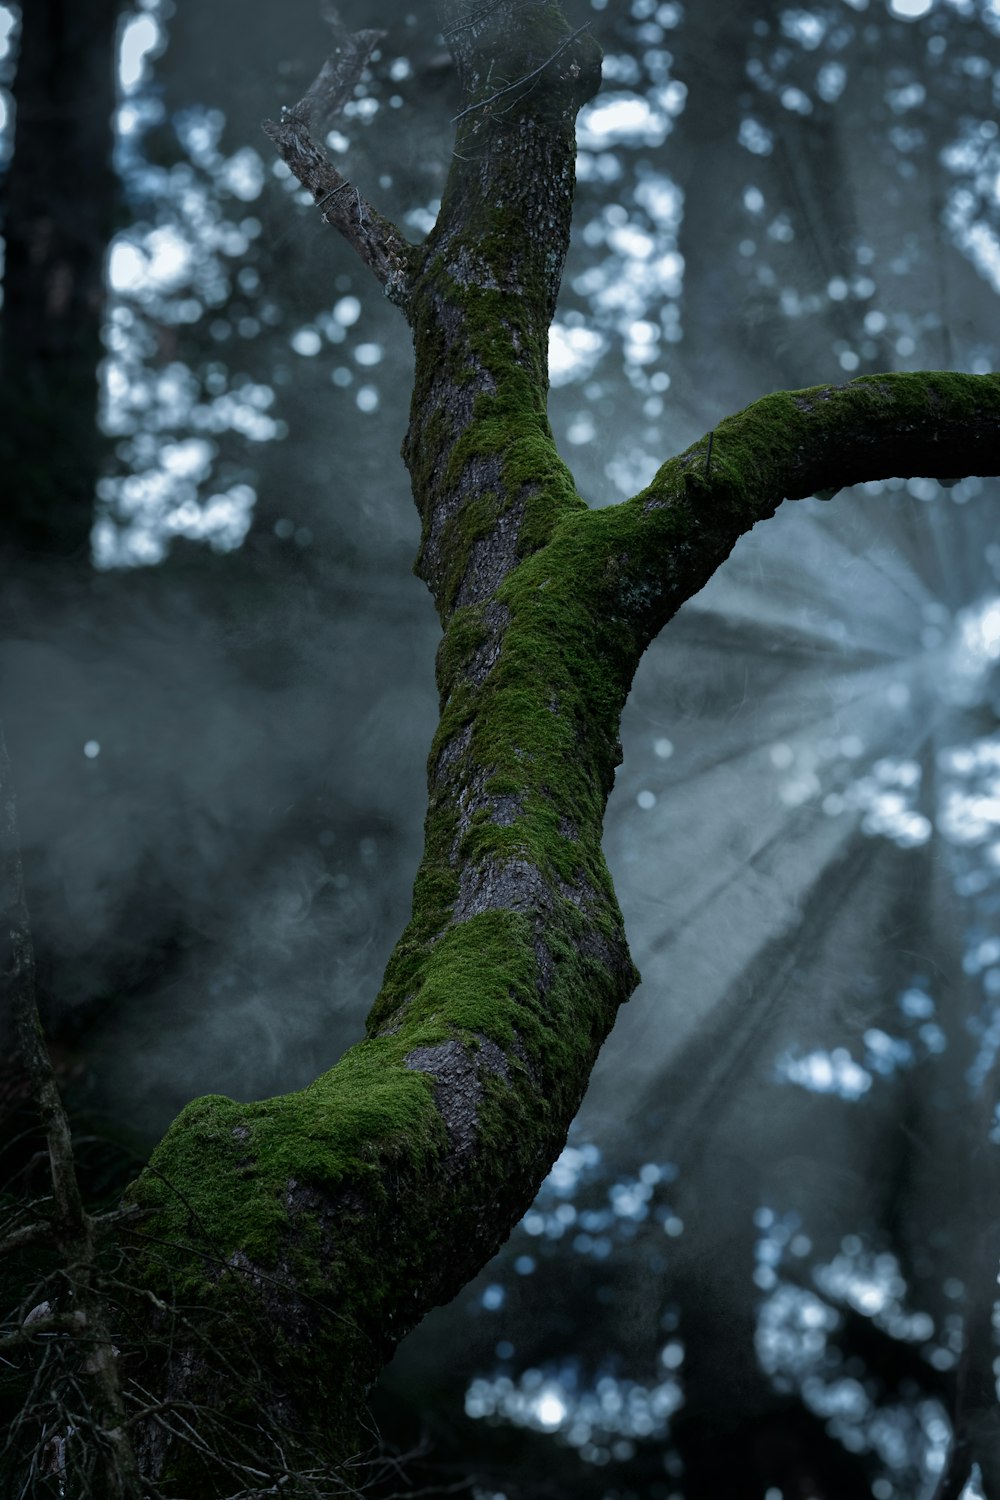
334	85
370	234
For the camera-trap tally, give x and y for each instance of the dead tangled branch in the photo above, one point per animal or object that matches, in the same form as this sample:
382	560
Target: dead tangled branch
68	1331
68	1315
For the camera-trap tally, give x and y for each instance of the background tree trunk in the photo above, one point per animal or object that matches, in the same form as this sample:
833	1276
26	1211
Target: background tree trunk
59	210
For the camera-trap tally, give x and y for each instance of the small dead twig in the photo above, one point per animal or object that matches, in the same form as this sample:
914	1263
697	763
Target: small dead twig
525	78
331	195
482	15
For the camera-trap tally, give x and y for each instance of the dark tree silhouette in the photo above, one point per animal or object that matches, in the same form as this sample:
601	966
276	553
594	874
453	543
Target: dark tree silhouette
286	1246
60	202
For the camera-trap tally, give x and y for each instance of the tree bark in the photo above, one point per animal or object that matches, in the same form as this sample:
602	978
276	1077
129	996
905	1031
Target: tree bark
292	1242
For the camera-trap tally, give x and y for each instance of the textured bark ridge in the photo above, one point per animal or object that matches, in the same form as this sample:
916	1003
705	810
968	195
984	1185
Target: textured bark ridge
312	1231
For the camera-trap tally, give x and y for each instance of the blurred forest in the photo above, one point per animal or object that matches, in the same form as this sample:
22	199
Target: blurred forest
765	1265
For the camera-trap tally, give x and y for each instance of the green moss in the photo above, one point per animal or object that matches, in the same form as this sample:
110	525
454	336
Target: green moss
231	1163
465	633
498	344
755	450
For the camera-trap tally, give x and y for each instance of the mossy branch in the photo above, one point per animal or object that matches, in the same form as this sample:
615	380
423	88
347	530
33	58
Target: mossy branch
663	545
487	479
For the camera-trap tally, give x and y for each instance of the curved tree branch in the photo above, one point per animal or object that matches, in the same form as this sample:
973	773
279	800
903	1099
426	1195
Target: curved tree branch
317	1219
662	546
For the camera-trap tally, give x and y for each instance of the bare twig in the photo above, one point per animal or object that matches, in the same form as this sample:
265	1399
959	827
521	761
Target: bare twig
525	78
334	84
375	238
482	15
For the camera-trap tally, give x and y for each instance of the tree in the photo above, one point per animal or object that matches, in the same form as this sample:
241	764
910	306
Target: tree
288	1239
60	203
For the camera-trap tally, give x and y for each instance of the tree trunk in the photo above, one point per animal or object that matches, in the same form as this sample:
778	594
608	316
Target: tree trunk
59	210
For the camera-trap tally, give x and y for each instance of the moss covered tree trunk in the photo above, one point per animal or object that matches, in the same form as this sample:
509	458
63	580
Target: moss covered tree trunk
288	1245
